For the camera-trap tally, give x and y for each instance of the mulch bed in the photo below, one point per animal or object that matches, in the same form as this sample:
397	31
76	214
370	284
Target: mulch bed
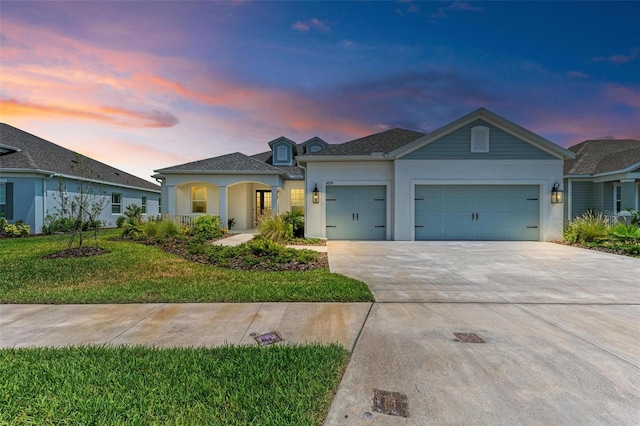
181	248
77	252
596	248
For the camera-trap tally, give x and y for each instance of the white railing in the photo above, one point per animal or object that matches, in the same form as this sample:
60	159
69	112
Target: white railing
186	219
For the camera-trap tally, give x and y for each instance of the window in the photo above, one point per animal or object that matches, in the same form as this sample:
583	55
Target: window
144	205
198	199
116	203
480	139
159	206
617	198
6	200
297	200
315	148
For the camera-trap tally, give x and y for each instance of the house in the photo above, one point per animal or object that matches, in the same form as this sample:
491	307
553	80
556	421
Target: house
33	172
603	177
480	177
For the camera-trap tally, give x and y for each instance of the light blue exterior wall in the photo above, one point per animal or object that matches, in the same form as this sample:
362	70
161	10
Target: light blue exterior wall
35	196
581	198
456	146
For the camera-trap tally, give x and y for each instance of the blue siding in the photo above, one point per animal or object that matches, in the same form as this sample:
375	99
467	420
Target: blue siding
581	198
456	145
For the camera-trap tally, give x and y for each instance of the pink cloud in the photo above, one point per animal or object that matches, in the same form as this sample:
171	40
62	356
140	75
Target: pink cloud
619	59
308	25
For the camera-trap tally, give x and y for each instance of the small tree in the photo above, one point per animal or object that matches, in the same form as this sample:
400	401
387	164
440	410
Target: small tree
80	212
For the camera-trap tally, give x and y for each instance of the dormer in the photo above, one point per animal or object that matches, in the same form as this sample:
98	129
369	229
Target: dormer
314	144
7	149
282	151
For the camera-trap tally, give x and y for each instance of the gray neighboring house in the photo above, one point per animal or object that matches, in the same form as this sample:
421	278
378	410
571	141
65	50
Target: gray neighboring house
32	170
480	177
604	177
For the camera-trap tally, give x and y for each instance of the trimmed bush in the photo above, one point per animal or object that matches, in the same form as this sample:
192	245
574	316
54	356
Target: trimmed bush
206	228
18	229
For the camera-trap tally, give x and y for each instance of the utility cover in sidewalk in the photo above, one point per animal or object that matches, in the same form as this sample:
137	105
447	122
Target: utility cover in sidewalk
393	403
468	338
268	338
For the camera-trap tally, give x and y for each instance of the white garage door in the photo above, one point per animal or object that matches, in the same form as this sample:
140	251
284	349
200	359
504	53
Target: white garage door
356	213
477	212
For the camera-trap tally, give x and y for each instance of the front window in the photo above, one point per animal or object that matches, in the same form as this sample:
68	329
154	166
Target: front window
198	199
116	203
617	198
144	205
297	200
3	198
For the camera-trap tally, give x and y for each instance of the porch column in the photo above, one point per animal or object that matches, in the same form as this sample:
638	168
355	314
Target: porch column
627	196
169	202
274	200
223	206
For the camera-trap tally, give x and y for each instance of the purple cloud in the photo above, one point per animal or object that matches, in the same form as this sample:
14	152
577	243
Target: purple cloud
308	25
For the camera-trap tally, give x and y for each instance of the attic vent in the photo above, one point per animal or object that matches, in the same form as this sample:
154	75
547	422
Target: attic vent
480	139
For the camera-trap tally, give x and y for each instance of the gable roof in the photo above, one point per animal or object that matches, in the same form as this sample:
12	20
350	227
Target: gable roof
380	143
494	119
598	156
24	151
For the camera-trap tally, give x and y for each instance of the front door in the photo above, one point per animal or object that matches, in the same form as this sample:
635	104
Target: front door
263	202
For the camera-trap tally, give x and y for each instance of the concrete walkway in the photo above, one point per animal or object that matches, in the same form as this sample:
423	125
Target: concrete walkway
245	236
180	324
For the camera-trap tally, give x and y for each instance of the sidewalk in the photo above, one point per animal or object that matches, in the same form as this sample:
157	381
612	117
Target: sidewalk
244	236
180	324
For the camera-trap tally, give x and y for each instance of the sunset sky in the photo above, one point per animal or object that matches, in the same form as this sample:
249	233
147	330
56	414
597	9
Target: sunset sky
145	85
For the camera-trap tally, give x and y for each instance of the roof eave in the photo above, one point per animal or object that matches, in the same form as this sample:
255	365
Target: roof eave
217	172
325	158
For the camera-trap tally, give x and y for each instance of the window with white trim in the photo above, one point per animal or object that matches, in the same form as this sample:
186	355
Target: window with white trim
480	139
144	204
3	199
297	200
198	199
617	198
116	203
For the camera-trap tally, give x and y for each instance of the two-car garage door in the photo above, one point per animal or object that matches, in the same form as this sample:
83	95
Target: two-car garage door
442	212
477	212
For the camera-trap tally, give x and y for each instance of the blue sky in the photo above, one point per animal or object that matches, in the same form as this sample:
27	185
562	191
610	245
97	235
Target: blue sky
144	85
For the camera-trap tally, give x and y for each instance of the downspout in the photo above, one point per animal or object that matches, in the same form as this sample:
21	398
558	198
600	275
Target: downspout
44	196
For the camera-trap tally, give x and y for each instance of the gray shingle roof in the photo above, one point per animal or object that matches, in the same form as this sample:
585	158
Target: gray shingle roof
602	155
38	154
235	162
383	142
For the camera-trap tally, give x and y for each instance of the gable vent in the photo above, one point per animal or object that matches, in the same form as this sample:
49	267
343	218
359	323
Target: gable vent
479	139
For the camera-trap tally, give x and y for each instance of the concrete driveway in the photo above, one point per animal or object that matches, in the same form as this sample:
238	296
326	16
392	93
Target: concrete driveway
560	327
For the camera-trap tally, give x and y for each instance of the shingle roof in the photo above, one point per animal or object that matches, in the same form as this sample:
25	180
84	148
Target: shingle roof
602	155
38	154
383	142
235	162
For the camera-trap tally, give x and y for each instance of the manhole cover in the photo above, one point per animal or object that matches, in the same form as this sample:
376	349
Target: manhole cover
268	338
393	403
468	338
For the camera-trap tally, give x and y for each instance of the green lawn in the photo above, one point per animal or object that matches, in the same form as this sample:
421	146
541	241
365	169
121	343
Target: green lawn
276	385
133	273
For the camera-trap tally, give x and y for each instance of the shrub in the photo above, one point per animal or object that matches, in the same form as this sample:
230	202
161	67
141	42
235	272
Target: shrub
133	211
131	228
625	232
18	229
274	228
54	224
167	228
587	229
296	220
635	217
206	228
231	222
120	221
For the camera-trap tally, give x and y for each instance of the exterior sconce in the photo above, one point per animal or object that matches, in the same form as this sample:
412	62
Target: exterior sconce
557	195
316	195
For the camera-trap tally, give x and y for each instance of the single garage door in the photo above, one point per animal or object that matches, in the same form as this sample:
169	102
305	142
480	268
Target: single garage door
356	213
477	212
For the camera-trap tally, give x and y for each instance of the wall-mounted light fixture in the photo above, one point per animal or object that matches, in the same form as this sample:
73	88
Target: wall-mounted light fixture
557	195
316	194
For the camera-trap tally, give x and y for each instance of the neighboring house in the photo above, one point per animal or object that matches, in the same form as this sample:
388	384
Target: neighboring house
32	171
604	177
480	177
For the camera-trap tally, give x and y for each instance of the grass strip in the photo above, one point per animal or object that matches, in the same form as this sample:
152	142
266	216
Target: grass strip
136	273
276	385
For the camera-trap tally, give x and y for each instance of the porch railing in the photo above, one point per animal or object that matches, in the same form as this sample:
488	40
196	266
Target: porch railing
186	219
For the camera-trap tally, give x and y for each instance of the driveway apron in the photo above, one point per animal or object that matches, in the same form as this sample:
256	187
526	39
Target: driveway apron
559	326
